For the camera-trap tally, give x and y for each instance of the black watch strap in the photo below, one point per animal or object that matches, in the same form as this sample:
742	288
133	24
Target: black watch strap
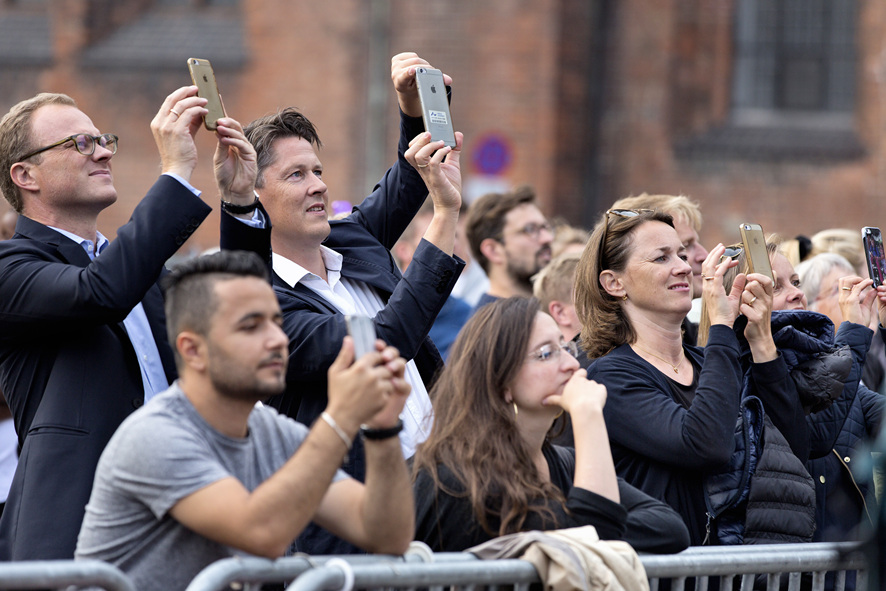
232	208
379	434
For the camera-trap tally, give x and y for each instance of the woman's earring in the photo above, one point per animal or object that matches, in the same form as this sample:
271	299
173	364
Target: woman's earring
516	411
625	297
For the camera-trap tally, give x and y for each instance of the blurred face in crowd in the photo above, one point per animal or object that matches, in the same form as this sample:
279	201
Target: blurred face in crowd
786	293
527	238
695	252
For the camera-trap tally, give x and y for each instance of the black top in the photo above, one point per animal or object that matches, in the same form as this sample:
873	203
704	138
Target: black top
446	522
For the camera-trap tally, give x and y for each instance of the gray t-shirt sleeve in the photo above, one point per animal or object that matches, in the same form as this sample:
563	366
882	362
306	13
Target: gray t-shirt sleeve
180	462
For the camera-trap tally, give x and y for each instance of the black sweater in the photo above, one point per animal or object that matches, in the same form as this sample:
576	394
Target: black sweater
447	524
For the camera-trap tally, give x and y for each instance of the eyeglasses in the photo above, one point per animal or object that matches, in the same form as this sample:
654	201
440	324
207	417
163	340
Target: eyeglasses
551	352
622	213
533	230
83	142
732	252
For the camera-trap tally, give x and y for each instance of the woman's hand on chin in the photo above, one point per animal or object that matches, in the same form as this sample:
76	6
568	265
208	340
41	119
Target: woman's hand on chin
581	397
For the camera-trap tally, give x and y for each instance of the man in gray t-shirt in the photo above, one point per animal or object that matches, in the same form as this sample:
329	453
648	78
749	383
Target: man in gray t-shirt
202	472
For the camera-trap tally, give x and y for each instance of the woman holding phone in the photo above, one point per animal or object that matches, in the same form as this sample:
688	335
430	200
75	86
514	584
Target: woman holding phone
488	469
673	410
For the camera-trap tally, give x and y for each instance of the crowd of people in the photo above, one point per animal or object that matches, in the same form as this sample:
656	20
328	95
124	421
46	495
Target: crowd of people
527	375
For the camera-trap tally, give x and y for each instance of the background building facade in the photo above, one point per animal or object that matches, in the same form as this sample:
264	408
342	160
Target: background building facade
767	111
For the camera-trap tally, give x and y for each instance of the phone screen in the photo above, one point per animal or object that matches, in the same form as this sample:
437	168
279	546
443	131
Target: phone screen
434	105
204	79
873	251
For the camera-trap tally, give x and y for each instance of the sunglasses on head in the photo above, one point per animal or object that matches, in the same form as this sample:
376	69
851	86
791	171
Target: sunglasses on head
621	213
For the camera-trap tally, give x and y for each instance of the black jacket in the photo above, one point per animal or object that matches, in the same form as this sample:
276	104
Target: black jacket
446	522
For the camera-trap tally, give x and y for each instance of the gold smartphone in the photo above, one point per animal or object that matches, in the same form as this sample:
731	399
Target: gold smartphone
754	243
204	79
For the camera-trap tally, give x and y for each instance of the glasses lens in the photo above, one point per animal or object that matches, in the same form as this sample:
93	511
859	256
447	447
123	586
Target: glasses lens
84	143
108	141
571	348
625	213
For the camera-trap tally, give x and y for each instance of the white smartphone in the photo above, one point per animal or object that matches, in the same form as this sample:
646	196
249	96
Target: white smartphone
362	330
434	105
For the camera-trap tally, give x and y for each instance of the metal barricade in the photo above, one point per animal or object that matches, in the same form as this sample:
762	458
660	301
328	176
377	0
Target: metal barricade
780	565
60	574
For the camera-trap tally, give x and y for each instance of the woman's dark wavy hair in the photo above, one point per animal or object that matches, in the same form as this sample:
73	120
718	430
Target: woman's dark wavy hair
603	321
475	433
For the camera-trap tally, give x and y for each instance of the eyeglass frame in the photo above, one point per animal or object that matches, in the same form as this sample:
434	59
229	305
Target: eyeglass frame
623	213
533	229
568	346
72	138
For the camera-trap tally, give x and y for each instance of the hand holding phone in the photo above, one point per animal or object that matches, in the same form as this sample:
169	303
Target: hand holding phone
434	105
874	254
204	79
362	330
754	243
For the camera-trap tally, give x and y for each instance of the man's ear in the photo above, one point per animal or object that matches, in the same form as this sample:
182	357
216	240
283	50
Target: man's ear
612	284
556	309
191	348
493	250
22	176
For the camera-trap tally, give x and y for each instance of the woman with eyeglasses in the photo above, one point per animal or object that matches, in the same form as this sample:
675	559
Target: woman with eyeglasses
673	410
488	469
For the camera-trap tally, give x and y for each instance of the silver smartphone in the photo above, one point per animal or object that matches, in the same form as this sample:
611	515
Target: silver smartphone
754	243
204	79
874	254
362	330
434	105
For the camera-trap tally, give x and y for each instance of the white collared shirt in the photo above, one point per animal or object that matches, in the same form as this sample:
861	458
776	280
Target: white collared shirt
355	297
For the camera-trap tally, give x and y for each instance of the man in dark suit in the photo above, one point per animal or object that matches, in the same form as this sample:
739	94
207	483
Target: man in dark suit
324	270
82	336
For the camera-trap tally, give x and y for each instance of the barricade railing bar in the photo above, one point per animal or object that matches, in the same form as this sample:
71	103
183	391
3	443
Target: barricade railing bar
61	574
777	562
780	565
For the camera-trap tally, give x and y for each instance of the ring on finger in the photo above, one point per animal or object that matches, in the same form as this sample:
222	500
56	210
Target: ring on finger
846	288
707	277
421	165
753	299
177	114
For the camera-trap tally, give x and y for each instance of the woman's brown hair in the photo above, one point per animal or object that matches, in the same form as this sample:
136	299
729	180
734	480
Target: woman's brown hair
475	432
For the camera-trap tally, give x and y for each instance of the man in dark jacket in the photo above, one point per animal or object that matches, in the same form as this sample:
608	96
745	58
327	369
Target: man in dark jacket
82	336
325	270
